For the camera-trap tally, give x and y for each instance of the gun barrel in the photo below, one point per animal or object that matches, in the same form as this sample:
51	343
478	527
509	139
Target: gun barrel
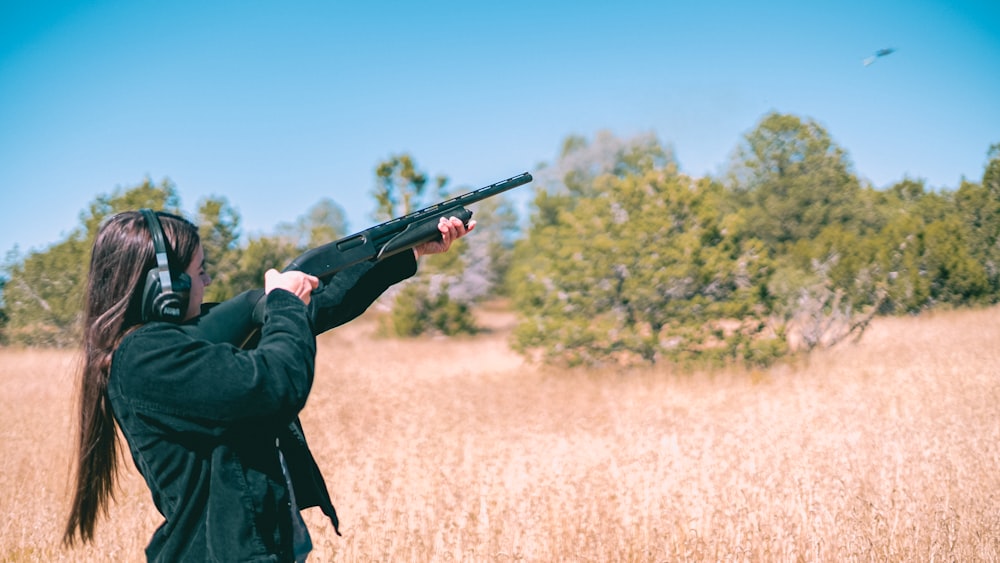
458	201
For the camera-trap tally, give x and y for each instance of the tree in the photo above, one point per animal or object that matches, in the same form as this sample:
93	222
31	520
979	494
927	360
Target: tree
641	266
44	292
219	230
399	187
236	268
162	197
991	175
422	308
827	289
899	252
978	208
260	254
3	312
957	278
433	301
796	191
581	161
793	181
324	222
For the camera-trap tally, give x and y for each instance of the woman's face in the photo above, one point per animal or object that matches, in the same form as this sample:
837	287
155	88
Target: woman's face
199	279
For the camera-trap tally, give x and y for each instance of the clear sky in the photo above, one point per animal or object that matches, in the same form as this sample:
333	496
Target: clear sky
275	105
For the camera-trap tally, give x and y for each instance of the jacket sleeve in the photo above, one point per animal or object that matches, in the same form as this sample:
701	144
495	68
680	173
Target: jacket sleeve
161	368
351	291
340	299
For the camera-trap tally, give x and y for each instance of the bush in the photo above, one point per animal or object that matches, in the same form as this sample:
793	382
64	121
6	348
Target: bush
419	310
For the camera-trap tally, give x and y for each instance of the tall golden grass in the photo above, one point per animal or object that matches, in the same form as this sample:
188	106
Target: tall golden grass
457	450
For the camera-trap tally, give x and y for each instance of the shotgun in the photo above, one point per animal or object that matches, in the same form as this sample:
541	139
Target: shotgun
237	320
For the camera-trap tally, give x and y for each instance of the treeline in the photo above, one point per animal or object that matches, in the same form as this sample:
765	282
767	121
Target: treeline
623	259
628	260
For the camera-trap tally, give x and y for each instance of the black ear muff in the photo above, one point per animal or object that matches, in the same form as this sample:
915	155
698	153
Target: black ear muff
165	294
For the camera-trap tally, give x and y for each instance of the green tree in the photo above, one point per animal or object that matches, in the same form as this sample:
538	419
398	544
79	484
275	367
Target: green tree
957	278
260	254
236	268
437	300
828	288
899	252
324	222
978	208
219	228
639	266
147	194
794	181
991	175
421	308
44	293
400	186
3	312
797	193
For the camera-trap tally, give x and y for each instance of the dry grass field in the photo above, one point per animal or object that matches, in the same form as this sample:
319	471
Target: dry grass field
456	450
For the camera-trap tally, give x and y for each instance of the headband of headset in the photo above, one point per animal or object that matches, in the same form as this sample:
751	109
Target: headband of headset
164	297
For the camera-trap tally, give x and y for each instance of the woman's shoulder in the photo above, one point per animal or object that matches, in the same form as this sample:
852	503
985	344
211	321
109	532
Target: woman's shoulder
150	343
160	353
154	330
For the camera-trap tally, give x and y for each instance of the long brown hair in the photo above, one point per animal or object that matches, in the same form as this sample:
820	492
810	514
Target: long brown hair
121	256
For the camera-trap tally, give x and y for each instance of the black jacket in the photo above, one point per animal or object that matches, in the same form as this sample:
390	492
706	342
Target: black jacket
203	420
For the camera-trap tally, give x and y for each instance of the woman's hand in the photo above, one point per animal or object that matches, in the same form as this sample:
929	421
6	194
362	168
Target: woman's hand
451	230
299	283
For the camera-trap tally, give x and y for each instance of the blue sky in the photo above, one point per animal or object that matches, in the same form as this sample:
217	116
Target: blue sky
275	105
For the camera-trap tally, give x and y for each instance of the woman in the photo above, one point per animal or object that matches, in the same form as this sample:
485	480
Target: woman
212	428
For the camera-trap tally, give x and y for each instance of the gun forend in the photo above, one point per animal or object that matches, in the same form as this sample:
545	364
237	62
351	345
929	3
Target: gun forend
423	231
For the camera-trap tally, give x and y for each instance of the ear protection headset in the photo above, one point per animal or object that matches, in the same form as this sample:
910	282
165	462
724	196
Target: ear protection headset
165	295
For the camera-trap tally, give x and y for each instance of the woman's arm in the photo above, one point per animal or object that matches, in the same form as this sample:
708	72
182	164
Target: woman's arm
351	291
203	386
